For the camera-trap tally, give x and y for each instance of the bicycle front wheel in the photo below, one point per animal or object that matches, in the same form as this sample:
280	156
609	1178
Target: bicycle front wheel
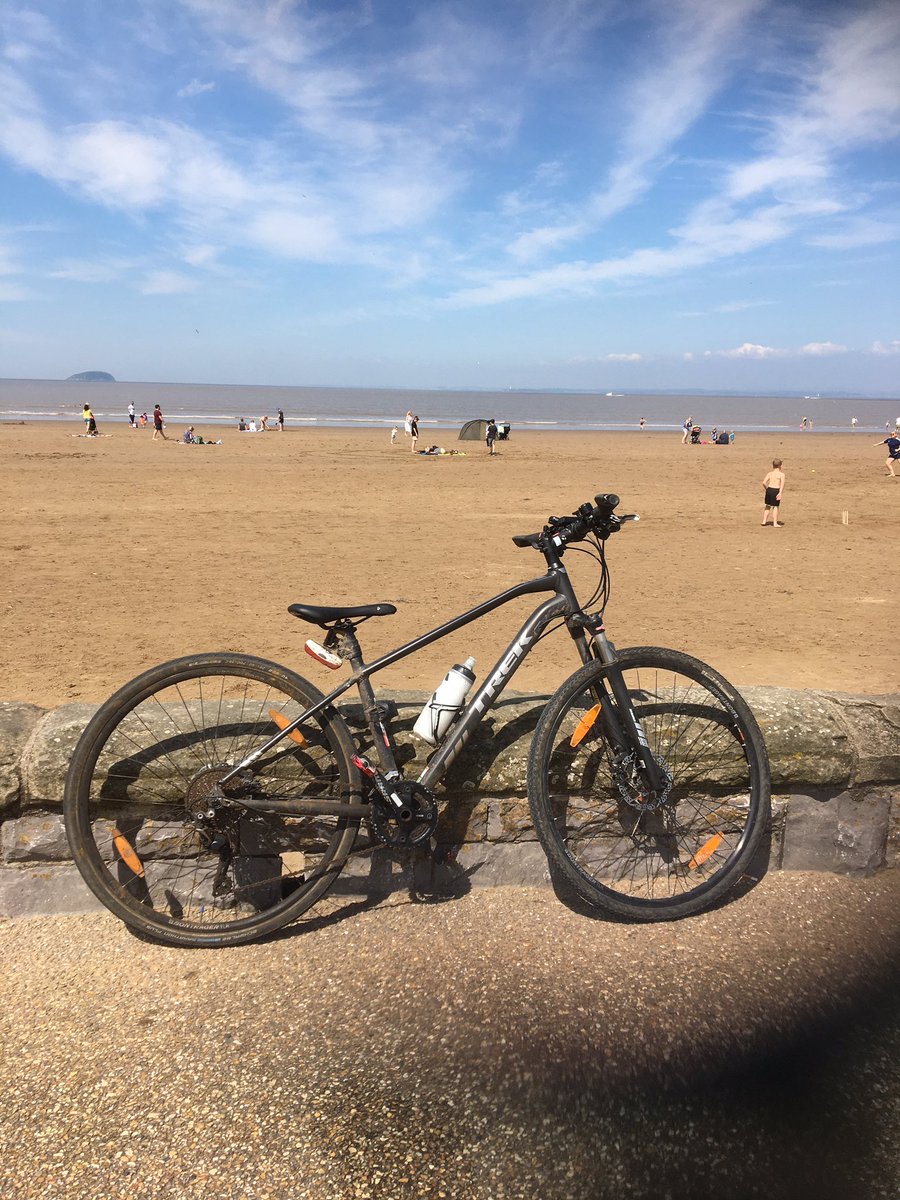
679	851
144	813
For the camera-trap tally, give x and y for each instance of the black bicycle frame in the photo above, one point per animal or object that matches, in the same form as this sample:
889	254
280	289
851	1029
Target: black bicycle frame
563	604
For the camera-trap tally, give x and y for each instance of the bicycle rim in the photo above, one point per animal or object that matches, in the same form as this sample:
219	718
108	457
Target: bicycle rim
141	813
677	852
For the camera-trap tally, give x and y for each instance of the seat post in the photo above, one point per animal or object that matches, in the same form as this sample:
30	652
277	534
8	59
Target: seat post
381	737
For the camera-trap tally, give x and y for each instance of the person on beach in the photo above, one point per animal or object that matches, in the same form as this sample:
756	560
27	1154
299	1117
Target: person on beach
853	424
394	435
159	429
774	489
188	436
143	420
263	423
414	431
893	446
686	428
131	415
280	420
642	423
407	423
490	436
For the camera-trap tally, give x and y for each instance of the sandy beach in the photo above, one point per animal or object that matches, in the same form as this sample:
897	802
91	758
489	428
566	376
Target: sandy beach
121	552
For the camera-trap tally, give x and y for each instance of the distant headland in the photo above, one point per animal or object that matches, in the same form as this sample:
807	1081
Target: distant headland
92	377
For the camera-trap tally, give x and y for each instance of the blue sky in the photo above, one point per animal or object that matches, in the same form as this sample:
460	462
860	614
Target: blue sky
609	194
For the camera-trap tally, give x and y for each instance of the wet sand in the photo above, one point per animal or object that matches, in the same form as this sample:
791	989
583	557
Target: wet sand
121	552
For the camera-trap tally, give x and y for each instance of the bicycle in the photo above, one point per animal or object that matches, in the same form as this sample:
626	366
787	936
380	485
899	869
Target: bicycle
217	797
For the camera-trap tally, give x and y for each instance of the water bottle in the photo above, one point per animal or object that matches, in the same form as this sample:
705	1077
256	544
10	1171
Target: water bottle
446	704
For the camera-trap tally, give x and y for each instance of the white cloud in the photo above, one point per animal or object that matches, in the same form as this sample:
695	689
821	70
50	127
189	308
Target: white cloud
747	350
623	358
167	283
858	231
892	347
822	349
194	88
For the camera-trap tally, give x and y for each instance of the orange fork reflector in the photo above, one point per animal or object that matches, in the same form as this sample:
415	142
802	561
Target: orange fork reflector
584	726
127	854
282	722
707	850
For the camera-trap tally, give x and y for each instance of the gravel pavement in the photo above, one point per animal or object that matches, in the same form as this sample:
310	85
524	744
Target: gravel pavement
498	1045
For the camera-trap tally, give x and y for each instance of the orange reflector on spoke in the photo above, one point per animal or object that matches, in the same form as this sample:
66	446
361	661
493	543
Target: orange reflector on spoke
282	722
127	854
707	850
584	726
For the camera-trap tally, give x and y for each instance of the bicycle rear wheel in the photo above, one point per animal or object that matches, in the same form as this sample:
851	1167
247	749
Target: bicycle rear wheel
681	851
144	819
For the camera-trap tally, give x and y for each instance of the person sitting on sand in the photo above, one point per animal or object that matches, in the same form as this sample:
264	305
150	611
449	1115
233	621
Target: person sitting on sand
893	446
188	436
774	485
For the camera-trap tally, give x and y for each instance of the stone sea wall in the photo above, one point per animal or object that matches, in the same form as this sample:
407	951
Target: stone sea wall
835	762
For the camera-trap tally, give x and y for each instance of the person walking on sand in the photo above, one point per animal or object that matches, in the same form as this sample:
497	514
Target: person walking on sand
414	431
490	436
394	434
279	420
686	428
774	486
893	446
131	414
159	429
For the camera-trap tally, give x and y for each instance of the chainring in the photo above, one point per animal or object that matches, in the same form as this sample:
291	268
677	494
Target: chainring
414	825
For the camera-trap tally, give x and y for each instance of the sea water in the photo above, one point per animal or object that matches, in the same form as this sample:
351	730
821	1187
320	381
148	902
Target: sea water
58	400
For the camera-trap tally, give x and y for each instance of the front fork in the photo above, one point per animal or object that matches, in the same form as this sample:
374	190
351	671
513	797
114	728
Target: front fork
620	723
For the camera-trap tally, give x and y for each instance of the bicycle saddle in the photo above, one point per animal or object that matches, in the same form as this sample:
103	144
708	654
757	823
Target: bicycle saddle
318	615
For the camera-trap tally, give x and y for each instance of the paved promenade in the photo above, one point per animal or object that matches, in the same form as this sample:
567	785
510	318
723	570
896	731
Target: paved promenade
494	1046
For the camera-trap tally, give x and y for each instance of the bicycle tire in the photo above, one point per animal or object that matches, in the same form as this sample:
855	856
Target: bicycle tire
689	849
140	775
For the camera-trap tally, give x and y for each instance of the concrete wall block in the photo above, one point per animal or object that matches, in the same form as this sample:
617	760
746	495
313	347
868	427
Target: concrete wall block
806	740
31	891
17	723
510	821
520	864
39	836
873	726
47	756
847	834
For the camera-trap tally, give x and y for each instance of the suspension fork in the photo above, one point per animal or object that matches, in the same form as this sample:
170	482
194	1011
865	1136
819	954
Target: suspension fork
620	722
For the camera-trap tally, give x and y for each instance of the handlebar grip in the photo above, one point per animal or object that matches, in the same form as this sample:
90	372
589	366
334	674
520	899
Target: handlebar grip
609	501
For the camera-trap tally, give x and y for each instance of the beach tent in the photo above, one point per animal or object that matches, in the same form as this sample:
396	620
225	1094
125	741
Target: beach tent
474	431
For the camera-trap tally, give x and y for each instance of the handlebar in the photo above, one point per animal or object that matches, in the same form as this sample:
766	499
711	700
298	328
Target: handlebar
598	518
